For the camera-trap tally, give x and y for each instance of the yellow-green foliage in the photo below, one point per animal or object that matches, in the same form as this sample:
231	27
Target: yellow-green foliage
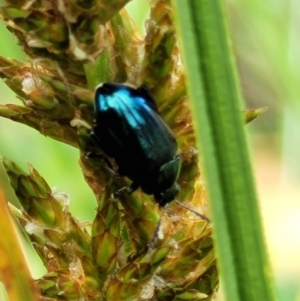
74	45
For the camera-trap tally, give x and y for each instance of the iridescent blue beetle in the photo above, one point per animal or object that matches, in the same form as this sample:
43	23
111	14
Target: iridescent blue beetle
129	129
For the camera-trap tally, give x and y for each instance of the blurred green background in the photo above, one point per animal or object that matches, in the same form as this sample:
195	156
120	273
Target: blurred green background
266	42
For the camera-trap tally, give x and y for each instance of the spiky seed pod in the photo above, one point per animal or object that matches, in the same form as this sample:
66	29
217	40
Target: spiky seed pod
62	35
61	241
74	45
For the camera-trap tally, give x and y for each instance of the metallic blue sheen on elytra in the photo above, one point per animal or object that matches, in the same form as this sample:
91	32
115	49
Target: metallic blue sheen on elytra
129	129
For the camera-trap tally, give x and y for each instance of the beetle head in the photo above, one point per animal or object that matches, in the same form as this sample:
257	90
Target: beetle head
167	196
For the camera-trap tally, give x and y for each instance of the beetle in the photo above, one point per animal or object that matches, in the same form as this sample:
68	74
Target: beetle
129	129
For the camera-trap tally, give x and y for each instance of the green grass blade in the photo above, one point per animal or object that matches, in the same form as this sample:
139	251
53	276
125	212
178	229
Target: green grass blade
216	107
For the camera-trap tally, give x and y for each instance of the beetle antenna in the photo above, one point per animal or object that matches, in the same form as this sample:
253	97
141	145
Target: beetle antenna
192	210
156	231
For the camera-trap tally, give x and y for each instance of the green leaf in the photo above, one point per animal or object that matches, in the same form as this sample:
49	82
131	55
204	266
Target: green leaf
216	108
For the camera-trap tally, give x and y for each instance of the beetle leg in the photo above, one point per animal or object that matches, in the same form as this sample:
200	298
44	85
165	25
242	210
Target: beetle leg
156	232
109	167
105	162
93	135
127	190
192	210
